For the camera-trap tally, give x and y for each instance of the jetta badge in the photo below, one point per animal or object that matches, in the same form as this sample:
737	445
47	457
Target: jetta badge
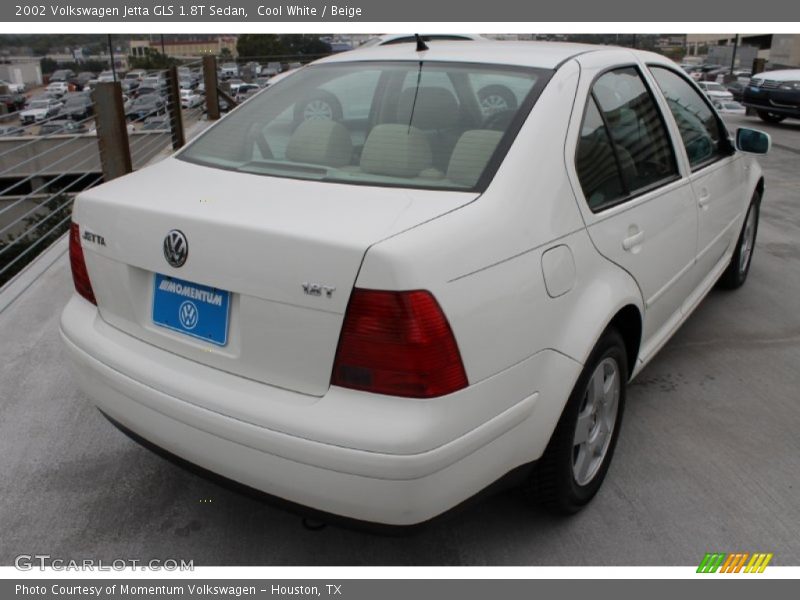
176	248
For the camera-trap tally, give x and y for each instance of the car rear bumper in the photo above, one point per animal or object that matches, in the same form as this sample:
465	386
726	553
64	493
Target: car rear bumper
157	395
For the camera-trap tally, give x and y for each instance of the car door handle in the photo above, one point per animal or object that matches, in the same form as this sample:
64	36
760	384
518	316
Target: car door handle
703	198
629	243
632	241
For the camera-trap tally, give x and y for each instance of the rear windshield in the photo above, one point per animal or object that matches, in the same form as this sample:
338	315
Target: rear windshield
410	124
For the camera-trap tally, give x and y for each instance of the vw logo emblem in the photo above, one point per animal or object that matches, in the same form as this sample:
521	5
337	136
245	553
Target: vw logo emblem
188	315
176	248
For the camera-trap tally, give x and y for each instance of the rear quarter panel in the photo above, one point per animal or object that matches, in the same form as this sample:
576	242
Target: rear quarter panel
483	261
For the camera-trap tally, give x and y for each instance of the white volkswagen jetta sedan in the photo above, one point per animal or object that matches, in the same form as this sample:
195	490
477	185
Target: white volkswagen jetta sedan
379	309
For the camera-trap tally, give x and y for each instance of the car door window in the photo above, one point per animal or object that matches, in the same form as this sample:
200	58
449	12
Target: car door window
702	133
636	128
596	163
622	122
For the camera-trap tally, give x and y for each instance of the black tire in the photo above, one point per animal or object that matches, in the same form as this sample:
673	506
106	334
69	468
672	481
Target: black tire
319	98
496	98
770	117
736	274
553	483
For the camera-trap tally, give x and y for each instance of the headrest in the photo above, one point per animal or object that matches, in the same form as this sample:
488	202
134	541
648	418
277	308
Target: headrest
435	108
320	142
396	150
471	155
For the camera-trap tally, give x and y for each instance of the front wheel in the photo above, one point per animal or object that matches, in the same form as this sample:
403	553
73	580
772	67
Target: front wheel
736	274
577	458
770	117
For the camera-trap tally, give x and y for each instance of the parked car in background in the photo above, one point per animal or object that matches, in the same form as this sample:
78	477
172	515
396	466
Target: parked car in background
272	68
44	95
190	99
127	101
144	90
62	75
14	88
83	78
108	75
145	106
233	85
714	90
58	88
62	126
774	95
135	75
39	110
156	123
736	88
187	83
729	107
229	70
156	82
77	106
379	318
262	81
246	91
12	101
742	75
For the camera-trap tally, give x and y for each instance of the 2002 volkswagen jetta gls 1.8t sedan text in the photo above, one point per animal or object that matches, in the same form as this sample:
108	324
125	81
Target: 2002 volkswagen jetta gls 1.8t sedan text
372	292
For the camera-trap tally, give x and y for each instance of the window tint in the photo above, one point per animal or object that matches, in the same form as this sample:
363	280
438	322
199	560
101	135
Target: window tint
405	123
634	122
354	92
700	130
596	164
624	147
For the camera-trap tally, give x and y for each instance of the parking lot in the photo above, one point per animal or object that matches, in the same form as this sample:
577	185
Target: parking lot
708	457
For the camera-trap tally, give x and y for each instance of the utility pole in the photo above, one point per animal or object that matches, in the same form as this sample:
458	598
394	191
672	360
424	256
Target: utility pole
111	57
735	47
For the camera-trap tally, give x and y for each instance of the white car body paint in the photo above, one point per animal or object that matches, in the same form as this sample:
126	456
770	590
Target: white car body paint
527	276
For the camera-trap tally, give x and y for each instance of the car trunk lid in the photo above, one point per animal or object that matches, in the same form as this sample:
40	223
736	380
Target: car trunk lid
288	251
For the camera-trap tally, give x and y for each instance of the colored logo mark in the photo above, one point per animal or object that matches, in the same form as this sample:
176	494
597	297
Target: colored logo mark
736	562
188	315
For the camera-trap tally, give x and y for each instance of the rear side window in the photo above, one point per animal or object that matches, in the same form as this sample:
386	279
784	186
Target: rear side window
622	128
700	129
596	163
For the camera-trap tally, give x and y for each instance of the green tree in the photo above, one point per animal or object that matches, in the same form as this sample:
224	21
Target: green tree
297	44
259	45
153	59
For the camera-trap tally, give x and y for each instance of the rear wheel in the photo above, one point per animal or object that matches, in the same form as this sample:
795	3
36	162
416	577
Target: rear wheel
770	117
495	99
320	105
577	458
736	273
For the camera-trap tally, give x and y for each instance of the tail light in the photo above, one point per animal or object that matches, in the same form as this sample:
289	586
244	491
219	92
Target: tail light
399	344
80	276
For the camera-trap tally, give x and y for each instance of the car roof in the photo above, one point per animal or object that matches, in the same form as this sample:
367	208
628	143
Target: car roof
545	55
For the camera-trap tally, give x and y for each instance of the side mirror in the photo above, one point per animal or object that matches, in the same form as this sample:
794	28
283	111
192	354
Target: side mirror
752	141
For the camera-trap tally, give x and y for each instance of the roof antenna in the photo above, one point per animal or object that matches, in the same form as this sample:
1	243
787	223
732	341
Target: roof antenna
421	45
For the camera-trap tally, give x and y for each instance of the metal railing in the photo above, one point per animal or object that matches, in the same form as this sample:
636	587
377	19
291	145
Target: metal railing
40	175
